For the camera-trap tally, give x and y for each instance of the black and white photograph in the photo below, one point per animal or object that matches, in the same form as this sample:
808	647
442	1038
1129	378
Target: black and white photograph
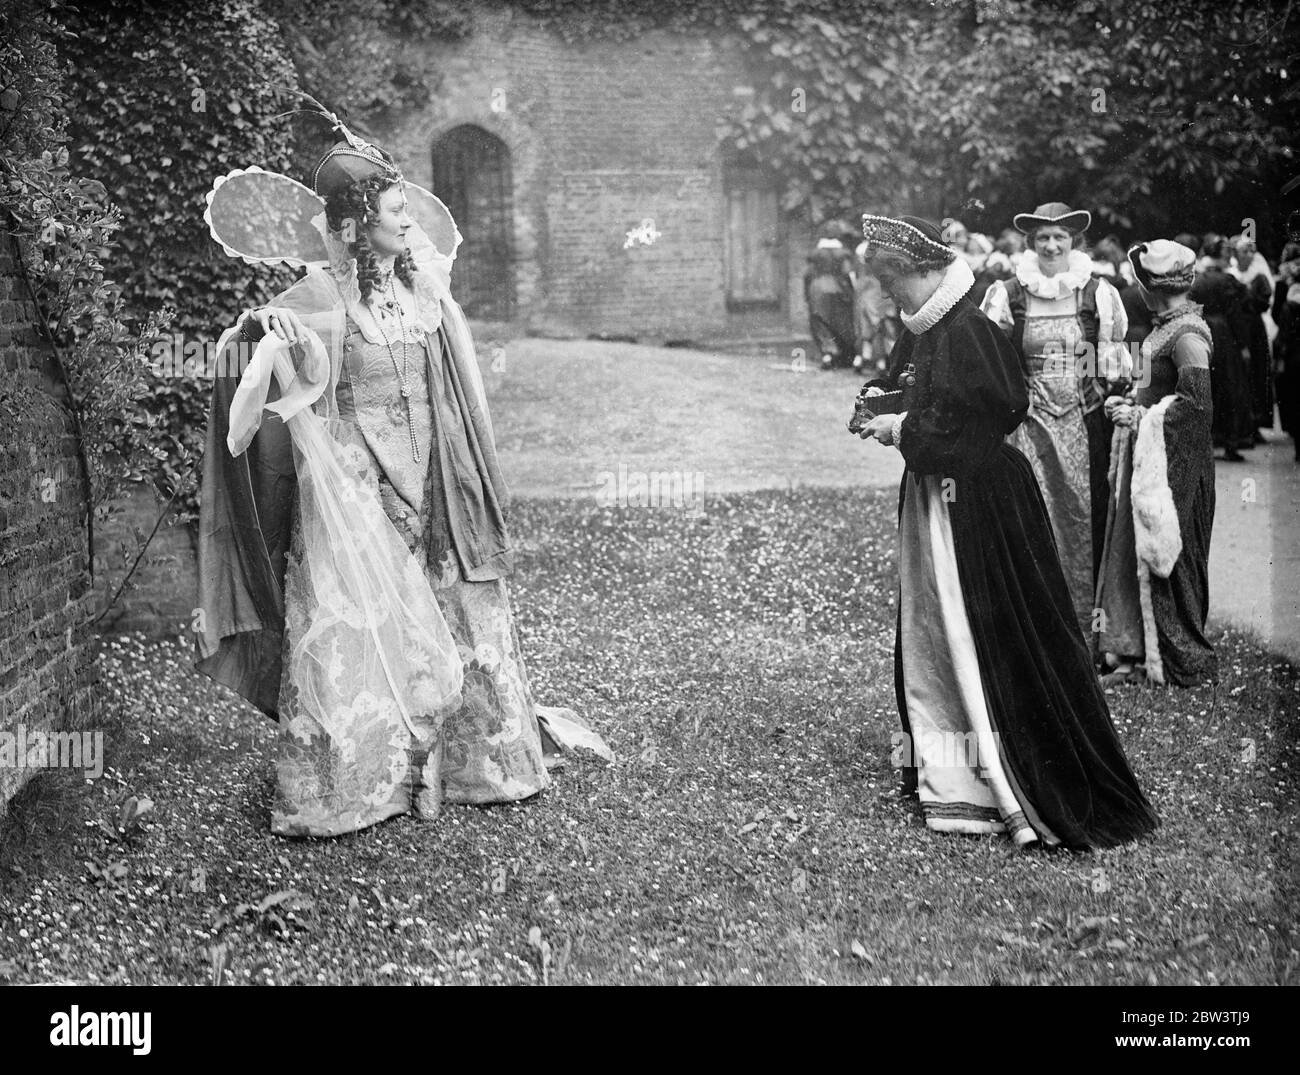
650	493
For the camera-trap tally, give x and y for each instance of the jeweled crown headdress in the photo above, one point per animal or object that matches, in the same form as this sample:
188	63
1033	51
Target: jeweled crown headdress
910	236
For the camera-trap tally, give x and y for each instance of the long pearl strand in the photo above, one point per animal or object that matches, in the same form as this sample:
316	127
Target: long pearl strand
401	370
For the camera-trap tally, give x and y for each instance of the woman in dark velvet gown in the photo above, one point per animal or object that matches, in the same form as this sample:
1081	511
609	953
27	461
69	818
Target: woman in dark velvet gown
1249	268
1224	300
1286	348
1154	587
988	651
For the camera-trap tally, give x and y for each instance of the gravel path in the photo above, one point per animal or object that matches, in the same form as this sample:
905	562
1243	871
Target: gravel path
569	412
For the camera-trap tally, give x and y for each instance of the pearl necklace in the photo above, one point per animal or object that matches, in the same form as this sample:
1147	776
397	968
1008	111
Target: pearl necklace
404	385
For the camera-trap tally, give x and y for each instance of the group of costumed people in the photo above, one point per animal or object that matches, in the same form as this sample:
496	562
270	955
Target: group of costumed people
852	320
353	552
1235	288
1114	433
1054	520
1122	448
1251	319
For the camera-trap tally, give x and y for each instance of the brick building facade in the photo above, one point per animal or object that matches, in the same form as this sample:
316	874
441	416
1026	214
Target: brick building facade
47	652
549	153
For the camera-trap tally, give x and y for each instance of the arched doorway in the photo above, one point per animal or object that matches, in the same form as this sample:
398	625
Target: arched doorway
471	174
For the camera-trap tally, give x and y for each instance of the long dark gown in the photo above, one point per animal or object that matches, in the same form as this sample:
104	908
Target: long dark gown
1286	350
1259	298
987	637
1179	603
1223	300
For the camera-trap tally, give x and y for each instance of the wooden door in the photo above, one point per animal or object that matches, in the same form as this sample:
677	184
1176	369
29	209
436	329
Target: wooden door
753	241
471	174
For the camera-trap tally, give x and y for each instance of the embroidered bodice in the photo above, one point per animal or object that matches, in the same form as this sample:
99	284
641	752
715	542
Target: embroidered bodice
369	394
1159	376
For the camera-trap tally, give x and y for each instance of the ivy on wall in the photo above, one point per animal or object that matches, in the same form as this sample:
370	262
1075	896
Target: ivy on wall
162	99
342	50
65	227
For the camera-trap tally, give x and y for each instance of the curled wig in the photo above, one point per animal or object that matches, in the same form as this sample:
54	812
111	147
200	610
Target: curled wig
359	201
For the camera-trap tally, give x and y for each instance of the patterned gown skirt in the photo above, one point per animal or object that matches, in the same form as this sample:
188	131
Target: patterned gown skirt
492	743
1054	438
374	766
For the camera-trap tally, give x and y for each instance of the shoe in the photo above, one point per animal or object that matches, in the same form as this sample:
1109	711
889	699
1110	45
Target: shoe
1231	455
1118	678
910	781
828	362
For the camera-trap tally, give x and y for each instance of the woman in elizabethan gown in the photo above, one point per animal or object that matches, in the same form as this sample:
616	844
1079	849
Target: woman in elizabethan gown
1069	328
988	651
1154	588
353	551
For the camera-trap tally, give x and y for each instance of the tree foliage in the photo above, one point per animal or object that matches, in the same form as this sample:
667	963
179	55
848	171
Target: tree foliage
1140	110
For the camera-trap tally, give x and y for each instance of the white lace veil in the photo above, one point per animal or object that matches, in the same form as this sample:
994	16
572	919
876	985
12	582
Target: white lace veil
367	630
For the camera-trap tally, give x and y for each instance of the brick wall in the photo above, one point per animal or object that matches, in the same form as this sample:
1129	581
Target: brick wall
160	596
669	287
601	135
47	654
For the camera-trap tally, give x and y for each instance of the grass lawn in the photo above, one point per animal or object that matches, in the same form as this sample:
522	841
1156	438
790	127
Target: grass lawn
739	661
565	412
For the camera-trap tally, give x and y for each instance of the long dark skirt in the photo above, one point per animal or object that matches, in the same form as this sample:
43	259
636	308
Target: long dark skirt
1286	350
1181	602
1100	433
1261	375
1230	389
1044	700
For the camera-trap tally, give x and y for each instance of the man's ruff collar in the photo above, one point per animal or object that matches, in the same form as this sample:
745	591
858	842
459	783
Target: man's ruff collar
957	280
1078	272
